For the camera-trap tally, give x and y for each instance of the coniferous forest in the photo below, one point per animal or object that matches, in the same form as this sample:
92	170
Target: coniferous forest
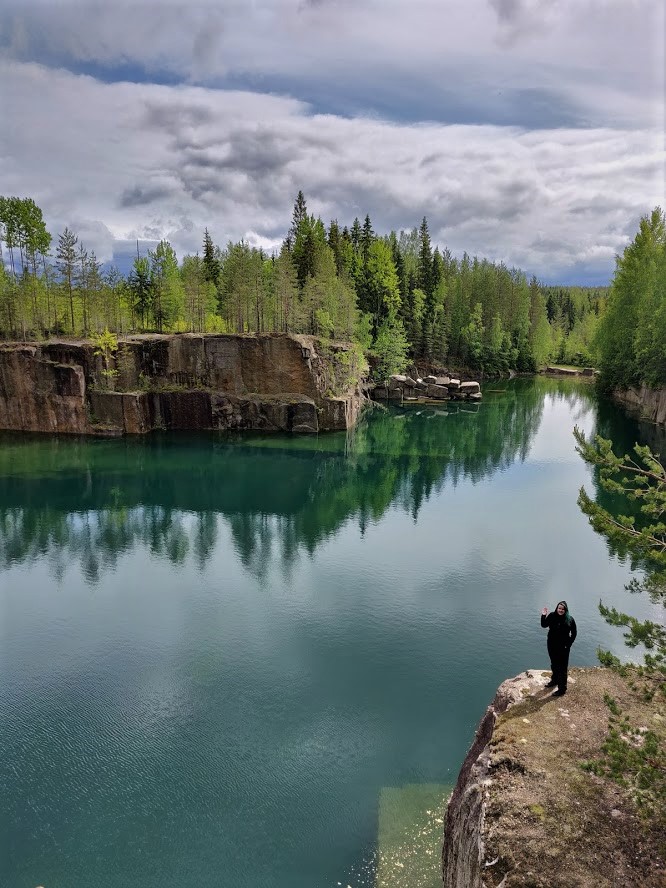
394	294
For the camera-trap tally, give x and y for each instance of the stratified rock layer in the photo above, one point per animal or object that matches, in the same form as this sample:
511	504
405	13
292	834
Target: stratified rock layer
267	382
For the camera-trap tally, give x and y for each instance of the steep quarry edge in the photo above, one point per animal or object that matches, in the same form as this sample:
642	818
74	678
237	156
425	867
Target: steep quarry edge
262	382
648	403
524	812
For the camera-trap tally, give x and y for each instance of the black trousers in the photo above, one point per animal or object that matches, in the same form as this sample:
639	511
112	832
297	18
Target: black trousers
559	663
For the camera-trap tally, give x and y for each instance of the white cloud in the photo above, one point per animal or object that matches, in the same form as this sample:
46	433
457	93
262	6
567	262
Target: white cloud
601	60
127	160
141	159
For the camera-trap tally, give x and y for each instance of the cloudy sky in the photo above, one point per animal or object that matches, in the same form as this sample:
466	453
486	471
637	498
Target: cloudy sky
527	131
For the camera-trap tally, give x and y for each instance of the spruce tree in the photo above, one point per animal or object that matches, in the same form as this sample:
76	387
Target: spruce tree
140	288
211	264
299	215
424	278
367	236
66	256
355	235
303	254
82	284
334	242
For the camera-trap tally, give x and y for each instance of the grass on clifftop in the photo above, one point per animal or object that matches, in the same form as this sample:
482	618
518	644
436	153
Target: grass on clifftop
634	754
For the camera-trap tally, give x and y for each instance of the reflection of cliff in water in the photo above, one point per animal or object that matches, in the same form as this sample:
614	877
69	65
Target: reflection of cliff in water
92	501
625	430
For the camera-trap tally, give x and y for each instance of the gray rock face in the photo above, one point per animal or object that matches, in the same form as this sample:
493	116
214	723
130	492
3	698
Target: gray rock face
399	380
439	392
648	403
469	388
463	851
401	387
561	371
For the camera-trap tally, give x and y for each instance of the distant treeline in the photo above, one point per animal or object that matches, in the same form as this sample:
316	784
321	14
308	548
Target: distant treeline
394	294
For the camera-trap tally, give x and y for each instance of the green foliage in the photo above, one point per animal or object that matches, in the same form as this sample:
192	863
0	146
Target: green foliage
200	294
382	282
612	704
326	306
342	367
573	314
166	286
66	255
285	292
210	262
323	323
632	332
608	659
390	348
141	290
641	479
635	758
472	337
468	311
241	288
106	345
363	330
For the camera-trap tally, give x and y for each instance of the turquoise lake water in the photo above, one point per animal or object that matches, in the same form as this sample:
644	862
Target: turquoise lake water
223	658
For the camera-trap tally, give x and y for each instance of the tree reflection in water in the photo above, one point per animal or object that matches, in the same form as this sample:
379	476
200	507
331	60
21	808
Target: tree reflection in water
90	501
625	433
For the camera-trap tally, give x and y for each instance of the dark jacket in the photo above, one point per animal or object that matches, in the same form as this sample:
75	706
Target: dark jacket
561	630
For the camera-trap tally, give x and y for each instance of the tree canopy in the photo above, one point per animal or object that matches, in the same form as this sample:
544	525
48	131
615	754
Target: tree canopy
631	339
397	293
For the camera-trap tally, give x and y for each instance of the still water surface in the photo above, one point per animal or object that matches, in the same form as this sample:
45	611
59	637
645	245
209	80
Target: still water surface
222	657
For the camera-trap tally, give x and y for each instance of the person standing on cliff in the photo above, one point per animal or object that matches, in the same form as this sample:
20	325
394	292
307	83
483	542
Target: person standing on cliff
561	635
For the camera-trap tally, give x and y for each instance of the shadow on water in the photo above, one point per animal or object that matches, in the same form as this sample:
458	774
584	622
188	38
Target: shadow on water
90	501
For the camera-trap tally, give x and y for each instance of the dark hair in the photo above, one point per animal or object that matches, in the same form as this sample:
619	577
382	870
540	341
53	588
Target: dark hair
567	615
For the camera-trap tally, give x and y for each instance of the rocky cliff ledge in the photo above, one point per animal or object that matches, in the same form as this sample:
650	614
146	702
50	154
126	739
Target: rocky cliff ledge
524	812
267	382
648	403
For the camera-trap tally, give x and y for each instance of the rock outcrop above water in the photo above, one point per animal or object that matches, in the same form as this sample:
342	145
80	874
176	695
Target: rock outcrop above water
524	812
400	388
648	403
555	370
266	382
